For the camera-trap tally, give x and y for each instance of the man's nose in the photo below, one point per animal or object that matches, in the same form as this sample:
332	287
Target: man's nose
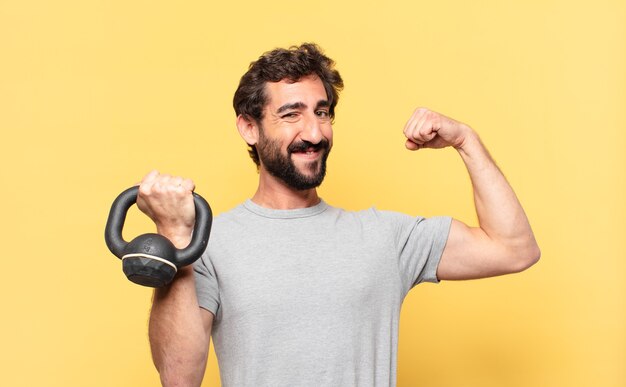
312	131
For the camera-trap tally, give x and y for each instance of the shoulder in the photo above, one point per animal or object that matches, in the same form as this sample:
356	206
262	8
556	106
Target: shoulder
402	223
230	217
226	222
374	218
374	214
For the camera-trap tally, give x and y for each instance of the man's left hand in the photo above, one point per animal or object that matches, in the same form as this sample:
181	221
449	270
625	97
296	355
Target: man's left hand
429	129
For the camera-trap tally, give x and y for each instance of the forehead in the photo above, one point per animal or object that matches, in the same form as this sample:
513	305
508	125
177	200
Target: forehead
308	90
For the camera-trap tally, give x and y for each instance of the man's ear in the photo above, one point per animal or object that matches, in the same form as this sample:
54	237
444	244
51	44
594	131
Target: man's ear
248	130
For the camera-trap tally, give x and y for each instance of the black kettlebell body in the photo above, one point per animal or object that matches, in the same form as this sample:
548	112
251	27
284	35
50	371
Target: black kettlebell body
151	259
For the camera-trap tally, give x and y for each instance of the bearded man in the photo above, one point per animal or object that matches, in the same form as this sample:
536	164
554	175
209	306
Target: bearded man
294	291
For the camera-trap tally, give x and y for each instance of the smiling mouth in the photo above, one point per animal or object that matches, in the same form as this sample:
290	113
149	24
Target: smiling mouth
306	147
308	151
311	154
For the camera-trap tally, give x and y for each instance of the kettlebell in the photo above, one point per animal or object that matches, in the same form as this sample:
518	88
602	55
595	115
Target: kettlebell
151	259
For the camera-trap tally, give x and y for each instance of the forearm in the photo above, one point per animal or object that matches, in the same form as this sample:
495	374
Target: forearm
500	214
179	330
179	338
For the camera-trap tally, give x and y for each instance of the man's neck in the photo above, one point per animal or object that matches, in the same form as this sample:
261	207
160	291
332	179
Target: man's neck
274	193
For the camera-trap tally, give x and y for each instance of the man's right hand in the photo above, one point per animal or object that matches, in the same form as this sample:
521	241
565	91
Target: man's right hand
168	201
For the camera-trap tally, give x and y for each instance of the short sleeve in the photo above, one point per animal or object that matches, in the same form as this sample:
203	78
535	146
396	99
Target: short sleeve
421	242
207	289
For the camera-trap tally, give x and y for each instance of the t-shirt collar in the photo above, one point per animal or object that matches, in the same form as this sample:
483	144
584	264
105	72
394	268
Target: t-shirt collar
285	214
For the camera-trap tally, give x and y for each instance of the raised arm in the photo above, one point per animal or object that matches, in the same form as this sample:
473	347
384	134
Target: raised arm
179	329
504	242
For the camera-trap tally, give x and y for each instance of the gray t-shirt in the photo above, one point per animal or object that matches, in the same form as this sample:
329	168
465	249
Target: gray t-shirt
312	296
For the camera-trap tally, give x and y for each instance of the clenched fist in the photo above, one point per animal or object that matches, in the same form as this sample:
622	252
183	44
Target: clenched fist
428	129
168	201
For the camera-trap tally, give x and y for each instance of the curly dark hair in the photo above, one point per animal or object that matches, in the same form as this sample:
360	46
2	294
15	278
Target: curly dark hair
284	64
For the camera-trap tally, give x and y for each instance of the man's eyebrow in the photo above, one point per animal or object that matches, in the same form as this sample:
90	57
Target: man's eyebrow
301	106
322	103
291	106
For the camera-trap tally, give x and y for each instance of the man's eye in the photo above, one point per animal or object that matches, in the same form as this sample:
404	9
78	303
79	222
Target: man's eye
289	115
322	113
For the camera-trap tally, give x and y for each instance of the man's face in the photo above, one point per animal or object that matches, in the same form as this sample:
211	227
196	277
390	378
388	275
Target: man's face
295	135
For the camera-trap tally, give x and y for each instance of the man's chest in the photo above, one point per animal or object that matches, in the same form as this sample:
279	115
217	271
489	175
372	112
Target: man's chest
327	274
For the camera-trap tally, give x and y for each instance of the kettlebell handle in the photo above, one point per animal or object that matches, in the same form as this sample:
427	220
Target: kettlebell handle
186	256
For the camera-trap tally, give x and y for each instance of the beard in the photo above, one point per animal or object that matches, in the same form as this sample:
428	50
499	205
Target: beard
282	166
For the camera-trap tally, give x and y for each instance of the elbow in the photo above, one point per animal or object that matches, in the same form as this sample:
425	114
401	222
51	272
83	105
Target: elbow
536	254
526	257
533	255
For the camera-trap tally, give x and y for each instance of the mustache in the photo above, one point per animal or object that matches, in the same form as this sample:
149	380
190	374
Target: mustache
302	146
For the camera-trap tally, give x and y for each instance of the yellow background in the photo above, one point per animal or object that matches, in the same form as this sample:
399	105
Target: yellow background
94	94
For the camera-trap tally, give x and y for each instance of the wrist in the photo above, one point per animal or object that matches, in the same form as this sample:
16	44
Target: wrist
469	142
180	237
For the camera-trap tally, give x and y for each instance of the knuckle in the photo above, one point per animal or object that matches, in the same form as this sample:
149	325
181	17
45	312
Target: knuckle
159	188
144	190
